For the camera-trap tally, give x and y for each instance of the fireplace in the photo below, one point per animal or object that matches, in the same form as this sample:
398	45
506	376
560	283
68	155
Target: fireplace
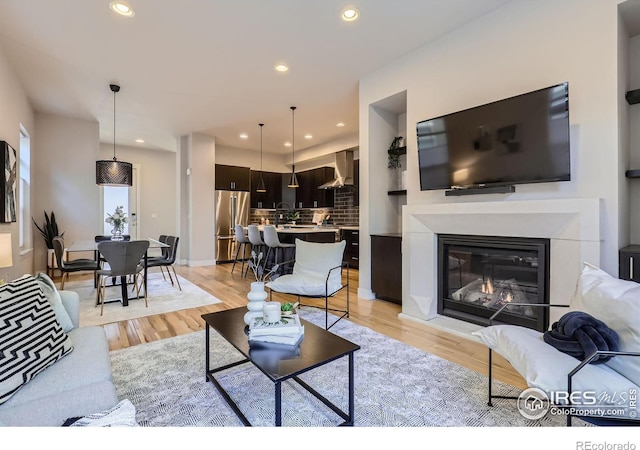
477	275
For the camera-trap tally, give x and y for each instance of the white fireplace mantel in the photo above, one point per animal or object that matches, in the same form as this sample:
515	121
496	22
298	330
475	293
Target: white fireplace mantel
573	226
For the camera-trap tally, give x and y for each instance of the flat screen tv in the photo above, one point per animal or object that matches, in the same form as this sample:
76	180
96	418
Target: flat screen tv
522	139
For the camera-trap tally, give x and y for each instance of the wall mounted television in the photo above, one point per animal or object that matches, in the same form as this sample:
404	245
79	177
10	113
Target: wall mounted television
521	139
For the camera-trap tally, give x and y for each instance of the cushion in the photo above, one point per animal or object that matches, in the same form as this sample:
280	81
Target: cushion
303	285
546	368
121	415
49	289
31	339
617	303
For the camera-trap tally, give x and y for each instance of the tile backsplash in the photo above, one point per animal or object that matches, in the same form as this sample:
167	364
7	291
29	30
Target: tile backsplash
343	212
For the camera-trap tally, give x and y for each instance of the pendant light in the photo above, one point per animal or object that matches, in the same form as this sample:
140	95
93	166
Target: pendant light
293	181
261	187
114	172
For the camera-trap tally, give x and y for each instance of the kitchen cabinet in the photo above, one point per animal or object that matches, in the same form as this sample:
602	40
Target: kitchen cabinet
352	248
386	266
629	263
232	178
273	185
308	195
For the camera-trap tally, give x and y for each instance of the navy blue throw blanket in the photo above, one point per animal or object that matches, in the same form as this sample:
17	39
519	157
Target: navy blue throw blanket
578	334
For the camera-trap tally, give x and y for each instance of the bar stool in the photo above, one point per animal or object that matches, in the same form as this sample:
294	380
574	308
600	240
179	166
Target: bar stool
257	244
272	241
241	241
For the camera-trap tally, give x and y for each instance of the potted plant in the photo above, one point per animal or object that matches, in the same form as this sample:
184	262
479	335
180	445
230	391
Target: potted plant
49	230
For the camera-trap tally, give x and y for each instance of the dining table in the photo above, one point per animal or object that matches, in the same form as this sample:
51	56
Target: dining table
90	245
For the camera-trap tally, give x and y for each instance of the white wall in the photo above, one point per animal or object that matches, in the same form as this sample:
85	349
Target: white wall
200	184
634	139
14	110
518	48
64	157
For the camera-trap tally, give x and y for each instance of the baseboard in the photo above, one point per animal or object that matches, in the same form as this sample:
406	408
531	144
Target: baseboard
366	294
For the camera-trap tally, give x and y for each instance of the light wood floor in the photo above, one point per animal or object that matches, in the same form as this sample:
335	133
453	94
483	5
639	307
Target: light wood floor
379	315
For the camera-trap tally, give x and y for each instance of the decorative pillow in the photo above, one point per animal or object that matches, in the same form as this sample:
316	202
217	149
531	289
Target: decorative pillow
121	415
617	303
31	339
546	368
49	289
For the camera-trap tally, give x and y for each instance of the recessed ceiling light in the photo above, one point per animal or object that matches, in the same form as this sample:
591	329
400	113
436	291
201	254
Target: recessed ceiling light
287	144
122	8
340	124
349	14
244	136
281	68
308	136
140	141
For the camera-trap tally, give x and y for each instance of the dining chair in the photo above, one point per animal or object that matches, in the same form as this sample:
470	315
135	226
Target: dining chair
123	258
169	261
72	266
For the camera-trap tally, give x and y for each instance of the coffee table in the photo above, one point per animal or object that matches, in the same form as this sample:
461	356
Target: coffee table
280	363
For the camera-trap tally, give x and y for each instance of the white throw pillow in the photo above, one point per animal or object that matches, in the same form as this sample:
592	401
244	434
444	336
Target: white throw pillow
544	367
617	303
49	289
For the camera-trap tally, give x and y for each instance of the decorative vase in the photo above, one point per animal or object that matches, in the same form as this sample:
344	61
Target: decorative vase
256	296
116	234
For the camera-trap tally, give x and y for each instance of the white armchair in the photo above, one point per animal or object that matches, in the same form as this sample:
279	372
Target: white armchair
317	273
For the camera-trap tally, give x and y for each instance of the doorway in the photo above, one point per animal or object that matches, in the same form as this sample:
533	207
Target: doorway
128	198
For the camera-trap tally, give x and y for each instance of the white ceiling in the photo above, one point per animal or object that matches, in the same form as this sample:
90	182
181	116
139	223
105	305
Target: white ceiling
207	65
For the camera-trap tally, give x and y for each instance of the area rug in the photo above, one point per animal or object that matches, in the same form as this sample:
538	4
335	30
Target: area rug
396	385
162	298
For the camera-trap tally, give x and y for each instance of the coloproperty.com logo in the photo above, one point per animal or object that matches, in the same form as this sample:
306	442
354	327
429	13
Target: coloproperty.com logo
534	403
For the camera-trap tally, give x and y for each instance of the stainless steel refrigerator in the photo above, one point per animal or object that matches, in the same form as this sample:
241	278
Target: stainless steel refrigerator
232	207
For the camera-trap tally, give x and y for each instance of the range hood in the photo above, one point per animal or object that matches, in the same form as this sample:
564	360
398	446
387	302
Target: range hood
344	171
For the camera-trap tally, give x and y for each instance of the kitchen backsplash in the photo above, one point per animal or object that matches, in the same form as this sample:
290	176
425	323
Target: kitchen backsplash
343	212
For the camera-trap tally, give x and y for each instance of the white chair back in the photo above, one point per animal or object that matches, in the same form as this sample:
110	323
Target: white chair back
240	236
254	235
271	236
316	259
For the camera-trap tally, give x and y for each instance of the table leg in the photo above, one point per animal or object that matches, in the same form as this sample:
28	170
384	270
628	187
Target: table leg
123	290
145	272
351	389
206	351
278	388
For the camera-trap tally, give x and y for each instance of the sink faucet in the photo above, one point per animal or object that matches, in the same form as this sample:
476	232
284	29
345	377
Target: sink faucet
278	207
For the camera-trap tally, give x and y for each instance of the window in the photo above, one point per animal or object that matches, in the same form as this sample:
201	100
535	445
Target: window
24	190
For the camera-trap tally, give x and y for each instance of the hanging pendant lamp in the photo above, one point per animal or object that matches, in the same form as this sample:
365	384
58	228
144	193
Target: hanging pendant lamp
114	172
293	181
261	187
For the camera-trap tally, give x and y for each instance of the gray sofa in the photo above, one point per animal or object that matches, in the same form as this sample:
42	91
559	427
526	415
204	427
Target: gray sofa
77	385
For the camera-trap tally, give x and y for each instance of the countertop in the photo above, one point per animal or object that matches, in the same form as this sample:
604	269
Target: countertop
303	229
394	235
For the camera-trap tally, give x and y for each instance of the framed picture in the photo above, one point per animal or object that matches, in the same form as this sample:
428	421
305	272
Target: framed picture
9	183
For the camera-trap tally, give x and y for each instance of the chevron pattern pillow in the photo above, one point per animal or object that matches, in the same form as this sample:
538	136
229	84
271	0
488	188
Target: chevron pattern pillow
31	339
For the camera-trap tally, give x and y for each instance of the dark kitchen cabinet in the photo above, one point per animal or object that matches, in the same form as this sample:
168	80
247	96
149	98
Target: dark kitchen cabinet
352	247
232	178
386	266
629	263
308	195
273	185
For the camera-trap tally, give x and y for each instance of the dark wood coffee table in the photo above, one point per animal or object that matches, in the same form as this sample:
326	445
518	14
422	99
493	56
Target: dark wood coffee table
280	363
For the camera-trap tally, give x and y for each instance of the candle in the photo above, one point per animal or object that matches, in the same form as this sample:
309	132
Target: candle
271	312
